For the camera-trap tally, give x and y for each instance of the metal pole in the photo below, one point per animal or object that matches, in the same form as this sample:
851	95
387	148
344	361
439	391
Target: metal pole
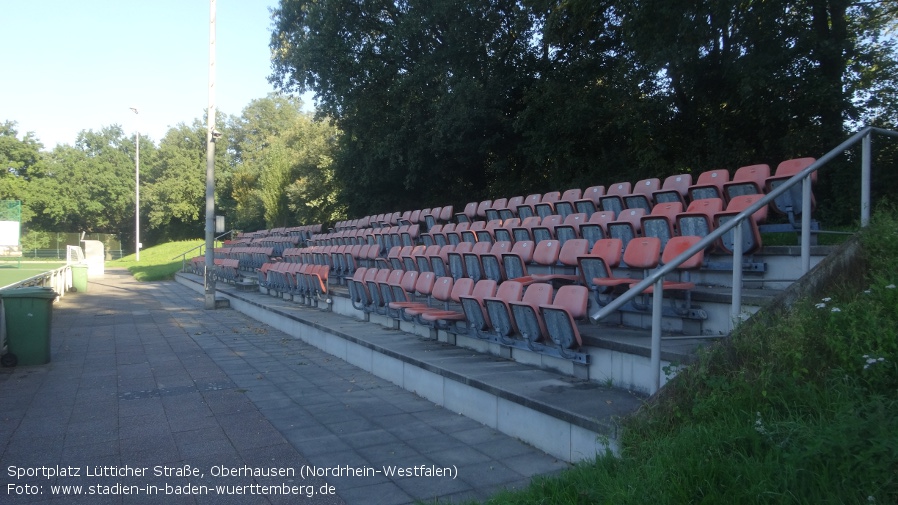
136	188
655	356
806	224
736	302
865	179
210	169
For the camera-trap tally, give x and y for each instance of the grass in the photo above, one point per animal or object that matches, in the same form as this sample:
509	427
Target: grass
10	274
159	262
800	410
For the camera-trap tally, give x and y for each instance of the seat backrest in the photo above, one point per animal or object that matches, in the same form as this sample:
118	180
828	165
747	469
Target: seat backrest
575	219
524	249
510	291
593	193
499	203
533	199
551	221
446	213
574	299
500	247
485	288
482	206
551	197
791	167
602	218
714	179
442	289
646	186
740	203
514	202
425	283
572	195
752	173
677	182
707	206
633	217
462	287
666	210
610	250
643	252
677	246
408	280
481	247
573	249
470	210
619	189
546	252
538	293
395	277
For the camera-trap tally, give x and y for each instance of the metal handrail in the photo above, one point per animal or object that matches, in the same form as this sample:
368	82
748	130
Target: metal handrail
200	247
657	276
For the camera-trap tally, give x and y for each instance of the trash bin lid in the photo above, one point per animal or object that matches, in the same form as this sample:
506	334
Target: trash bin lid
29	292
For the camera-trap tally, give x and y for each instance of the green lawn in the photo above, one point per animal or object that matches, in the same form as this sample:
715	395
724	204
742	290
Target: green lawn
160	262
9	274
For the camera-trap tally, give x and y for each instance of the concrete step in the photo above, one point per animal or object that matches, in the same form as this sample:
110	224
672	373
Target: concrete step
568	417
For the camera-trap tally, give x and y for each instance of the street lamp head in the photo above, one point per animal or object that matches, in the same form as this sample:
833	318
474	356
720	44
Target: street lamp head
134	110
216	134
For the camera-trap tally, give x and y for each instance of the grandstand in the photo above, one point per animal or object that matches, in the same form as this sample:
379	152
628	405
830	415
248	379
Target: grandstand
609	284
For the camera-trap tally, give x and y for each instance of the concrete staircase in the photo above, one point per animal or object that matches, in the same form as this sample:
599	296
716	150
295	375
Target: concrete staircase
566	408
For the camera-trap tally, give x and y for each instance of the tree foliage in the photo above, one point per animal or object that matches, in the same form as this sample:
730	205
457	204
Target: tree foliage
449	101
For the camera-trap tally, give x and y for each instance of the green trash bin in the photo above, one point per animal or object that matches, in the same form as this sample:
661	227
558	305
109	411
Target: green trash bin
28	312
79	278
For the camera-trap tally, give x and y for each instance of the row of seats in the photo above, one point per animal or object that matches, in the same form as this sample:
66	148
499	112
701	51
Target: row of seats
306	283
534	313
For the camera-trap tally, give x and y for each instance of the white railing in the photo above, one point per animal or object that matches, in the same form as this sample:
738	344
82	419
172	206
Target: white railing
803	177
59	279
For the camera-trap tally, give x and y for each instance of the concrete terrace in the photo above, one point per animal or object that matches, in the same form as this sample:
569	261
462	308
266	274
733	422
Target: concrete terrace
142	376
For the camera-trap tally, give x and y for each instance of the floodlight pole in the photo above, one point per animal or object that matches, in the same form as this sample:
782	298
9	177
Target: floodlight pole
136	189
210	169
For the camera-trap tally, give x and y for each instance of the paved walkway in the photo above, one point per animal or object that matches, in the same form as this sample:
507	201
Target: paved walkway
149	393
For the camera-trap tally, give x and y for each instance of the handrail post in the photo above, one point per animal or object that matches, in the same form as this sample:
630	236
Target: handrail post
655	356
736	302
806	224
865	178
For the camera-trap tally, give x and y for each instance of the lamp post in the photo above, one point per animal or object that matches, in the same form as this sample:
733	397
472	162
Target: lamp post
136	190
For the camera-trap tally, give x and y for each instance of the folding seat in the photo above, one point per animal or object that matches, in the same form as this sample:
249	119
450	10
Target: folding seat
406	218
596	227
565	205
415	217
399	291
430	219
498	311
613	198
546	205
262	275
358	290
524	230
561	316
604	255
423	260
511	208
564	270
470	234
394	218
698	220
423	288
455	236
369	257
319	281
570	228
458	263
528	208
709	185
515	262
437	234
674	189
526	315
492	213
435	317
491	262
661	222
546	228
468	214
398	262
391	259
748	180
751	235
790	202
474	309
676	247
363	289
439	263
627	226
488	233
641	195
481	208
410	262
410	235
441	293
445	214
385	291
505	233
590	200
641	253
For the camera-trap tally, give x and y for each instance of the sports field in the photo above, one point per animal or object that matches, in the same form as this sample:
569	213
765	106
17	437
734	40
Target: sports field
9	274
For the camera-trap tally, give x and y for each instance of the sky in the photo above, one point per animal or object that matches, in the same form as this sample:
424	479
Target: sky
73	65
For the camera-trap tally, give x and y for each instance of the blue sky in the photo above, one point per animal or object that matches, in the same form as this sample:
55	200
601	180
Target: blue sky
70	65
